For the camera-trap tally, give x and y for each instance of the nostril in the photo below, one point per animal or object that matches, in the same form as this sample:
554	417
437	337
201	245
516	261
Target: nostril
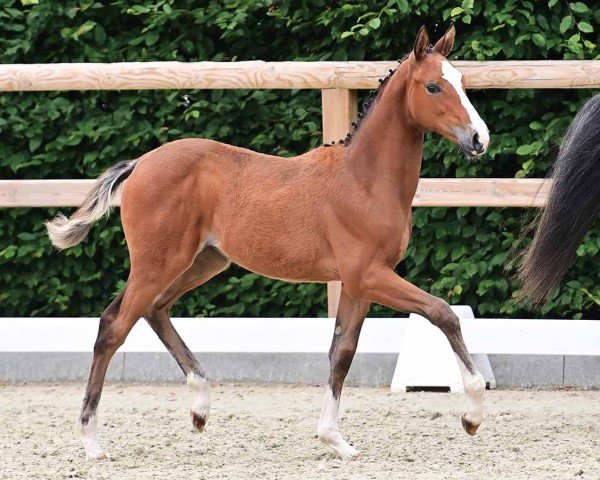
477	145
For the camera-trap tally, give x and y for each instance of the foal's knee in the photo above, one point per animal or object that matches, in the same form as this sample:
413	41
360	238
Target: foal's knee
342	357
442	316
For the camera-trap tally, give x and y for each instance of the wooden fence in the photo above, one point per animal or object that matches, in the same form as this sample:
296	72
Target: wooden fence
338	82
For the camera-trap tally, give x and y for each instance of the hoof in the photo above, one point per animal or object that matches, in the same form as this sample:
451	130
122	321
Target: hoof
349	454
469	427
97	457
199	421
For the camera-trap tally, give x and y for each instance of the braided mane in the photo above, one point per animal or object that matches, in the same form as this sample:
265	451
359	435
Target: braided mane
367	105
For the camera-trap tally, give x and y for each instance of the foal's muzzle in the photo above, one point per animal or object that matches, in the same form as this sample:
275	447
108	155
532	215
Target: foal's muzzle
470	142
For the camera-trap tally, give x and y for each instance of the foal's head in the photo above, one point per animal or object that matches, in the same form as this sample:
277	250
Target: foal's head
437	99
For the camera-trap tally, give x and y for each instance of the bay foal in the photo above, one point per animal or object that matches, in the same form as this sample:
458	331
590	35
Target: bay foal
341	212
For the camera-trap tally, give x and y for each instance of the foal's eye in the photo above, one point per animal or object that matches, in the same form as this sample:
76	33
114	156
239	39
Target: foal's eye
433	88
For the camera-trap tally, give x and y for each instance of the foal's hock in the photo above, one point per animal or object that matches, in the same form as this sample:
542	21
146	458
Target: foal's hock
342	212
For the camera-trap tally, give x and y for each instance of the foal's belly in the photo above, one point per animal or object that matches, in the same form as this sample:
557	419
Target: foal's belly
288	272
280	262
279	250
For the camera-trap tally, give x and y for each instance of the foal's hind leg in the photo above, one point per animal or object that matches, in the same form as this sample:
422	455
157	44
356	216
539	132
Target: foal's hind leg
348	323
207	264
106	344
143	286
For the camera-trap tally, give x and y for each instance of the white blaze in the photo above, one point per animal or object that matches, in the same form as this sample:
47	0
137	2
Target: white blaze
454	77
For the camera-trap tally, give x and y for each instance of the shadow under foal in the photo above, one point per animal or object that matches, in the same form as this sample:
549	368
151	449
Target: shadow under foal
341	212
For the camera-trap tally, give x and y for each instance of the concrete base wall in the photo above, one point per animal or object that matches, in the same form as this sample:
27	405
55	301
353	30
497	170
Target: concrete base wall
371	369
546	370
527	370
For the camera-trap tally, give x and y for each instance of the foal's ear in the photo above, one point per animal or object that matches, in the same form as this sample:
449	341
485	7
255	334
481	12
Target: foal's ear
444	45
421	44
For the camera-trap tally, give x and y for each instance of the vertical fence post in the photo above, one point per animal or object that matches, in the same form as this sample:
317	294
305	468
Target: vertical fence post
339	111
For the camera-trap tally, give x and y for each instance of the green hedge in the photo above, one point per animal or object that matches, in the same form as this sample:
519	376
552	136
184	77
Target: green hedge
458	254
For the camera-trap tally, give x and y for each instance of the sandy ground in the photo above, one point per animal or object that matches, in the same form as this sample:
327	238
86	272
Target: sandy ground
258	431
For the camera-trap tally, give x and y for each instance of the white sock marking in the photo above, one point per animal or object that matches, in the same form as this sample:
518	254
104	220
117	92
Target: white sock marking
328	431
474	387
454	77
201	386
89	437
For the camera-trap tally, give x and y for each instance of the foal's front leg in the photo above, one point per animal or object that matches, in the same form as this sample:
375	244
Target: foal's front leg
349	320
385	287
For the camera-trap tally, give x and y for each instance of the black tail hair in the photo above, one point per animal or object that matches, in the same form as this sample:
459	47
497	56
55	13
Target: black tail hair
573	205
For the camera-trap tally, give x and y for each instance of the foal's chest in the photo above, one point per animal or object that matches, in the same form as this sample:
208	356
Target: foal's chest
394	240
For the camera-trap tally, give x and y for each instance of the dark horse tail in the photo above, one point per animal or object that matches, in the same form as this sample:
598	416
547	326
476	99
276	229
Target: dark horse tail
573	205
67	232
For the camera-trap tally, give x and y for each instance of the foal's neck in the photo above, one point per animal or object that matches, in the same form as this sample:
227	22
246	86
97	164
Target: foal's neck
386	151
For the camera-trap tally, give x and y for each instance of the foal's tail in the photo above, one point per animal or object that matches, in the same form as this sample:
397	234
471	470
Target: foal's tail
573	205
67	232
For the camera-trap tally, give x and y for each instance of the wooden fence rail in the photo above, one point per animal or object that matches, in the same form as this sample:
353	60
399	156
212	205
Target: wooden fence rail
282	75
432	192
338	82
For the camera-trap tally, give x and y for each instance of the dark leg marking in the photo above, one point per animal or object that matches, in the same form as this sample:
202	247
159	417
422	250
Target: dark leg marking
349	321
